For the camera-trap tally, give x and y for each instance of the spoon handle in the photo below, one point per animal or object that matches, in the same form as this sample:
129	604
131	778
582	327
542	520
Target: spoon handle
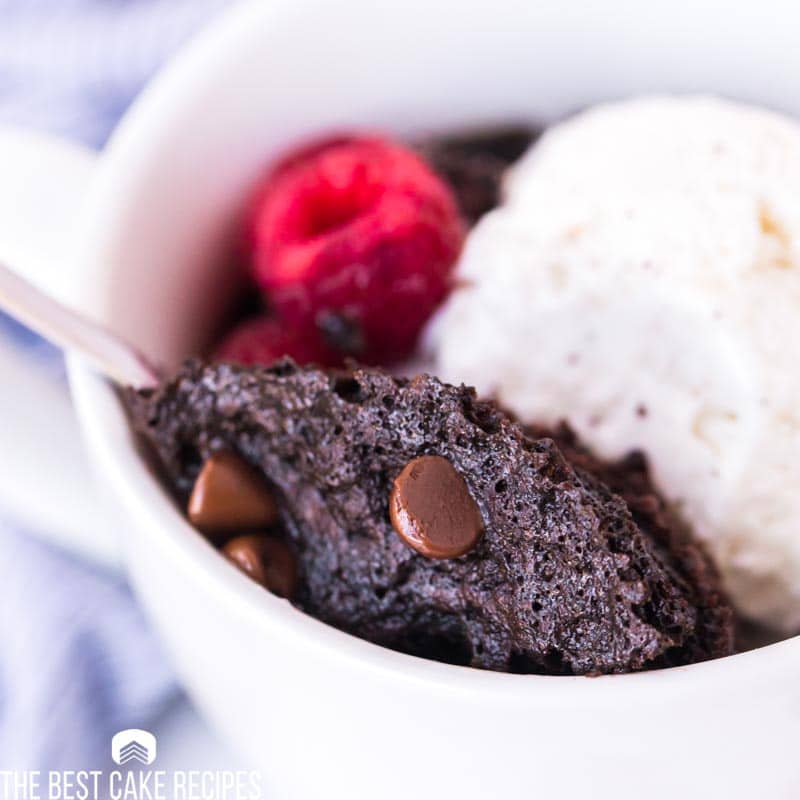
71	332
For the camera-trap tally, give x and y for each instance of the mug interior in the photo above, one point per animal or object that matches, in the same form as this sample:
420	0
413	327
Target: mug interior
164	209
184	160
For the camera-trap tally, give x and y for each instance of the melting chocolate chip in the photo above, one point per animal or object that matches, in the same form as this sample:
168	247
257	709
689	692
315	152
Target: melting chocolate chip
230	495
265	559
432	510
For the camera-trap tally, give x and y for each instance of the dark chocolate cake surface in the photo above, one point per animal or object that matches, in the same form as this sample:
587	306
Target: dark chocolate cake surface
565	580
474	162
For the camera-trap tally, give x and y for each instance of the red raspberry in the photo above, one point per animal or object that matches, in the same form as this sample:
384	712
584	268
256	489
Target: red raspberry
356	238
262	340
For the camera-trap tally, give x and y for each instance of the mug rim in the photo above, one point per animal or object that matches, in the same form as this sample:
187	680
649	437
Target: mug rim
103	420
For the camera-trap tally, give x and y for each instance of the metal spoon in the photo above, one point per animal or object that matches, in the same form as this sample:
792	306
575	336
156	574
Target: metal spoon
68	330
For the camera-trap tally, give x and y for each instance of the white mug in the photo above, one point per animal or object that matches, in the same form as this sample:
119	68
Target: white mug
323	713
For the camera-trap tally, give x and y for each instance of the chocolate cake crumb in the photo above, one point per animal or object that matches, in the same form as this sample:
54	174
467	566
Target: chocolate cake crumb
567	578
630	479
473	163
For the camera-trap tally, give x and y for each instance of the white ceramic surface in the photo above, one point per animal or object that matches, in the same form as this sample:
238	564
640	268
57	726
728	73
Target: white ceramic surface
325	714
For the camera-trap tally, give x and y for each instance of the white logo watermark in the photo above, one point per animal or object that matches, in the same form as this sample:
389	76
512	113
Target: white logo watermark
133	745
134	750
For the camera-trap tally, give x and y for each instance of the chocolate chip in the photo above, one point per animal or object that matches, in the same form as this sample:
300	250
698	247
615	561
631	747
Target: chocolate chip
230	495
265	559
432	510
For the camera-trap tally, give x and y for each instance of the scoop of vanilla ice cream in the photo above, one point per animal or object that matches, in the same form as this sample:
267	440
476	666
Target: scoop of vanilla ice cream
642	281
